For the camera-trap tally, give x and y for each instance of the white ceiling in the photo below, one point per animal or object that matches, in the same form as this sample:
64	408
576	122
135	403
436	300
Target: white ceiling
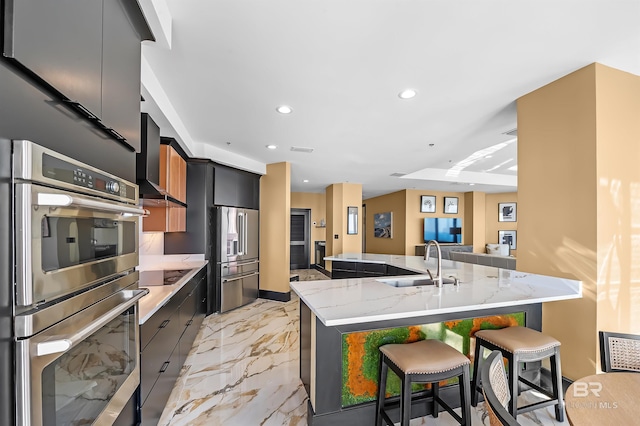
225	65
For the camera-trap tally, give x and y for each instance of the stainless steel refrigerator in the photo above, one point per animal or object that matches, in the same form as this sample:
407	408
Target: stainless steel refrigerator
237	262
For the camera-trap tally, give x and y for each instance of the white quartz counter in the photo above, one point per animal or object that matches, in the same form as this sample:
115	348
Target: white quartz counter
360	300
159	295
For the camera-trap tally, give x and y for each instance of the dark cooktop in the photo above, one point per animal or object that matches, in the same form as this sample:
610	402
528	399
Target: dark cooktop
168	277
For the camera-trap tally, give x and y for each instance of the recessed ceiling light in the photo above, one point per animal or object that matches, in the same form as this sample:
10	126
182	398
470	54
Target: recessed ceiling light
284	109
407	94
305	180
272	146
472	184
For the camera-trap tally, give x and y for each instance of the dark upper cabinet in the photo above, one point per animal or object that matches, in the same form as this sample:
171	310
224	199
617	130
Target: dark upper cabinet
60	42
236	188
87	53
197	238
225	188
148	159
121	73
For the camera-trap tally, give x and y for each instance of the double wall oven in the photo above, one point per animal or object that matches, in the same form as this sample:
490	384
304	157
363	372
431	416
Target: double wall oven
75	314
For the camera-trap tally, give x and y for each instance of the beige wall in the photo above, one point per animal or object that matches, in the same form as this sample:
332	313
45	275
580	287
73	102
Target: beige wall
339	196
492	226
618	195
275	223
396	204
317	204
408	221
578	194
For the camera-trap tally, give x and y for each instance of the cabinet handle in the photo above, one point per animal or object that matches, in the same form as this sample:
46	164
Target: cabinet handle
116	135
204	300
164	323
189	323
164	367
83	109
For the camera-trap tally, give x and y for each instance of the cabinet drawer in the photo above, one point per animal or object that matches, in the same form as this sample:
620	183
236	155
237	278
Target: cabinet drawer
157	352
374	268
158	396
343	266
152	326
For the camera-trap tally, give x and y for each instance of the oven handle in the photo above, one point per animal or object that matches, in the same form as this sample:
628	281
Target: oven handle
63	200
240	277
62	345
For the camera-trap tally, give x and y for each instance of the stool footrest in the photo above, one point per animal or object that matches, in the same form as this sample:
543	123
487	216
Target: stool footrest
449	409
536	387
536	405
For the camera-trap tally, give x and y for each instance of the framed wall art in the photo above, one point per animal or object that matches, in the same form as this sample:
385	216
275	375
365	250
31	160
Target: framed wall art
507	212
451	205
428	204
383	225
507	237
352	220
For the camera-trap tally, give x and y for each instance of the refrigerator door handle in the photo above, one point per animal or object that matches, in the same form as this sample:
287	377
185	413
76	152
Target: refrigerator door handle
241	277
245	217
241	233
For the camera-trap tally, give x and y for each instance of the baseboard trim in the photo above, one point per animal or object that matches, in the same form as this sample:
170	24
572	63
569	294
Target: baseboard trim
321	269
275	295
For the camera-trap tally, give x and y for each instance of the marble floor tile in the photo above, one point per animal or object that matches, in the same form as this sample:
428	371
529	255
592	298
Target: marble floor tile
243	370
309	274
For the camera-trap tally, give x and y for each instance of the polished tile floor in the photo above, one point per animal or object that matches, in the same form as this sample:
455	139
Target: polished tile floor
243	371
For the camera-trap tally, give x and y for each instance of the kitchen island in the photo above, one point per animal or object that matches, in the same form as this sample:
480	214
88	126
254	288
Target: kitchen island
343	322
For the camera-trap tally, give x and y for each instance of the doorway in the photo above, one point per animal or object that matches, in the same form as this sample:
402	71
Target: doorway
300	244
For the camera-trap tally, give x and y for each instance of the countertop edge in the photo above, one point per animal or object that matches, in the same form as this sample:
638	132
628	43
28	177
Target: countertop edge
175	288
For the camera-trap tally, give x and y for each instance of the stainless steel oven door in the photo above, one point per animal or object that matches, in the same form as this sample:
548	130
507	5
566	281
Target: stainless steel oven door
84	369
66	242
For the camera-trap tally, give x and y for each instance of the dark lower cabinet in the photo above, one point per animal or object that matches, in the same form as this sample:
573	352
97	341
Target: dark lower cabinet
166	339
341	269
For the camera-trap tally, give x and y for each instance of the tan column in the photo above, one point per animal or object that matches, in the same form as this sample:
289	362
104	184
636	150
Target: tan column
579	204
339	196
275	224
474	221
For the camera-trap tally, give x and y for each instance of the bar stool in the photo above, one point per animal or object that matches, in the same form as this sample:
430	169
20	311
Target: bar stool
521	344
426	361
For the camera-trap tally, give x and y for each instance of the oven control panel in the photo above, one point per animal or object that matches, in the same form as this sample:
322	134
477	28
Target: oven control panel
84	177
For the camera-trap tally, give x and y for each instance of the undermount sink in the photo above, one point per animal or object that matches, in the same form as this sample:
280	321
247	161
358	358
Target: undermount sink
412	281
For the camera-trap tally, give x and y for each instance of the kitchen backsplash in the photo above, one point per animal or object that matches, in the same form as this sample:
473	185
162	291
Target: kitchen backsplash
152	252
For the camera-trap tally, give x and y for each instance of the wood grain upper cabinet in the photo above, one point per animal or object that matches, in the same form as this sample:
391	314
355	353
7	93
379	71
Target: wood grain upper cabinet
173	173
173	178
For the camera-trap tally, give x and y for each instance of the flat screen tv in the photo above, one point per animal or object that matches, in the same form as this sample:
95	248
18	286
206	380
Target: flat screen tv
443	229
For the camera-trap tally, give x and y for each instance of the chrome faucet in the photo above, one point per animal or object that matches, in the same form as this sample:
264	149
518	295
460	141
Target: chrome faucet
437	280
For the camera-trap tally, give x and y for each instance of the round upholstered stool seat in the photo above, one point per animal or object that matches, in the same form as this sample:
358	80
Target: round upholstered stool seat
426	361
521	344
424	357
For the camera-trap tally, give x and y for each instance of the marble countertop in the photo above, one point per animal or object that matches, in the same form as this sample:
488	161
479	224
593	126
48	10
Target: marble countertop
361	300
159	295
